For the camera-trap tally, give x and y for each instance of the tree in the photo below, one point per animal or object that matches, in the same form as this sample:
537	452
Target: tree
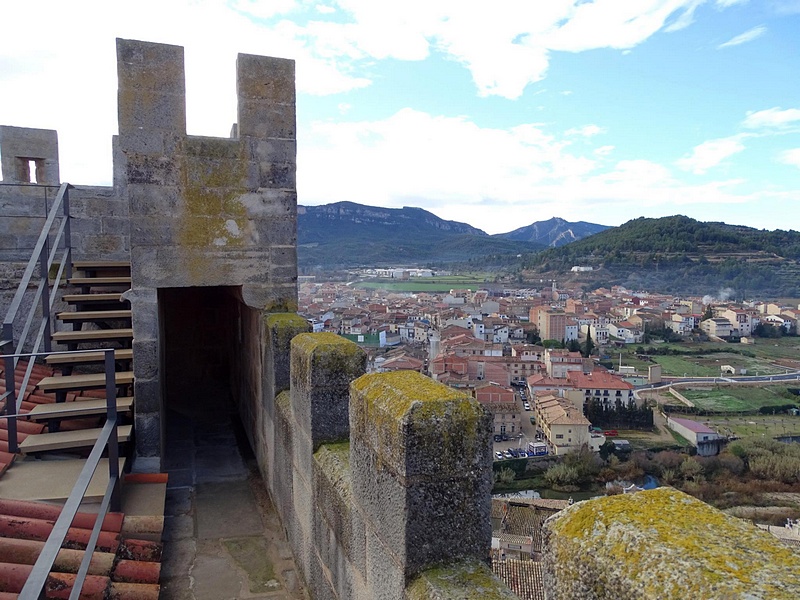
708	313
574	346
588	347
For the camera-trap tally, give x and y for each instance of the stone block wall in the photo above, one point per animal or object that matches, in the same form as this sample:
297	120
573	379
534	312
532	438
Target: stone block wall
382	481
662	544
203	211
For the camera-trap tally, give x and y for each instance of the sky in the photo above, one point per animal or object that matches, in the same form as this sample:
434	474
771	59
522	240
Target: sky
497	114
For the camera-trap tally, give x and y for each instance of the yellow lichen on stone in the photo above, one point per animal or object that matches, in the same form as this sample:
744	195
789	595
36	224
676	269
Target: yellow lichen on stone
462	581
285	325
399	403
213	172
334	462
669	544
309	342
397	392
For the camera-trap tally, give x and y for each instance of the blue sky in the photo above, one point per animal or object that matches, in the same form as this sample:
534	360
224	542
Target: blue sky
496	114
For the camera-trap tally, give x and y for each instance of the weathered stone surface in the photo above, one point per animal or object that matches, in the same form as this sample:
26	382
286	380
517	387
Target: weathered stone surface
323	365
421	463
662	544
21	145
467	580
281	328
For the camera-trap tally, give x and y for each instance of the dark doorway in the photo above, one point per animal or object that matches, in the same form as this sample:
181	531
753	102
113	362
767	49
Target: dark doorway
200	330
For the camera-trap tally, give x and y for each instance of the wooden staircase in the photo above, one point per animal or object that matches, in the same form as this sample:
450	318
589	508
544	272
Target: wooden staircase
100	318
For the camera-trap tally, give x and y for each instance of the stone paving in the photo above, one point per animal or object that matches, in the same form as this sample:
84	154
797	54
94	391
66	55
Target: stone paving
222	538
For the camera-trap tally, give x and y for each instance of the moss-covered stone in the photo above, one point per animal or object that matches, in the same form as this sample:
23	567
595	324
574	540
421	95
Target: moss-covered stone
419	425
285	326
326	359
281	328
469	580
663	544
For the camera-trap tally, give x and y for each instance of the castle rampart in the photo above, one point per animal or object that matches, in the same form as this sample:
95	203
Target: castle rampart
381	481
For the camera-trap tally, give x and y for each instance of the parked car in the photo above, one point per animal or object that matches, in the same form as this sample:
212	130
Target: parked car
508	454
498	456
498	437
526	406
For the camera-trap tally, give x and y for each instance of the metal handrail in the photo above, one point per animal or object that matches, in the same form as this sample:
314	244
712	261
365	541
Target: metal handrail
44	257
107	439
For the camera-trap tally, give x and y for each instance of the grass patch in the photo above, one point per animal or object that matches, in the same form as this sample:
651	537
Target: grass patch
739	398
519	485
754	425
679	366
425	284
250	553
679	439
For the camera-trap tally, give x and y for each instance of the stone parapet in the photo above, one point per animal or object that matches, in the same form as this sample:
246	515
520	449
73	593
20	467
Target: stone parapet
377	478
421	458
662	544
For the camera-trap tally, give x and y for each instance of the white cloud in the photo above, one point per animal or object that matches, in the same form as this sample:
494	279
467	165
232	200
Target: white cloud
684	19
585	131
262	9
495	178
728	3
790	157
775	117
604	150
505	48
743	38
710	153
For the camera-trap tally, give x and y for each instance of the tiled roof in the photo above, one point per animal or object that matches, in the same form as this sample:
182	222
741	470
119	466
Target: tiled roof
30	398
692	425
523	577
121	568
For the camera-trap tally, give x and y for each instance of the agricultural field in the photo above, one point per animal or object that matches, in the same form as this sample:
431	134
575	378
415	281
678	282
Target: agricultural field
425	284
757	359
754	425
739	398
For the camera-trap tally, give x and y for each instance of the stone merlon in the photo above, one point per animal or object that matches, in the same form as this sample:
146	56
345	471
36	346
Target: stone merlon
662	544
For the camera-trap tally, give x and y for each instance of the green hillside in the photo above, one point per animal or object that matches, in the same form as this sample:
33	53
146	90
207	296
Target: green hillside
679	254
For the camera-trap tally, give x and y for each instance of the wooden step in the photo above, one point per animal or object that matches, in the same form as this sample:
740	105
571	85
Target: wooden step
87	357
84	381
93	315
65	440
98	265
94	335
84	298
78	408
92	281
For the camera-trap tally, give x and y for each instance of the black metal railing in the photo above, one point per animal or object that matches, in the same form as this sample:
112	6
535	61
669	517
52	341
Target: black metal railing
54	246
44	256
107	442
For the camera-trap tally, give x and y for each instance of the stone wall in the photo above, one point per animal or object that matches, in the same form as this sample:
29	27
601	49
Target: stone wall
662	544
382	481
203	212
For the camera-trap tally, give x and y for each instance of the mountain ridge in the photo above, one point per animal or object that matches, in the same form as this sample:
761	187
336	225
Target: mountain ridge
351	234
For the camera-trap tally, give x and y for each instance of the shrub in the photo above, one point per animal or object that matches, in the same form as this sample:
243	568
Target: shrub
667	459
691	469
562	475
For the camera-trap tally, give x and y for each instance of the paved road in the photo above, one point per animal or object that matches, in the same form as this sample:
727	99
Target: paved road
667	381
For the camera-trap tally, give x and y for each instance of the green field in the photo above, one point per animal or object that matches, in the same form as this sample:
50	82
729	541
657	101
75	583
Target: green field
755	425
764	352
425	284
740	398
688	366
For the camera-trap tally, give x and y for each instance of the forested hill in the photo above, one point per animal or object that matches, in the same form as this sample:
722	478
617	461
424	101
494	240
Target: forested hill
346	234
682	254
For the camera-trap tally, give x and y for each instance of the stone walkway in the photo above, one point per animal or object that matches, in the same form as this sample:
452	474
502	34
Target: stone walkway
222	538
